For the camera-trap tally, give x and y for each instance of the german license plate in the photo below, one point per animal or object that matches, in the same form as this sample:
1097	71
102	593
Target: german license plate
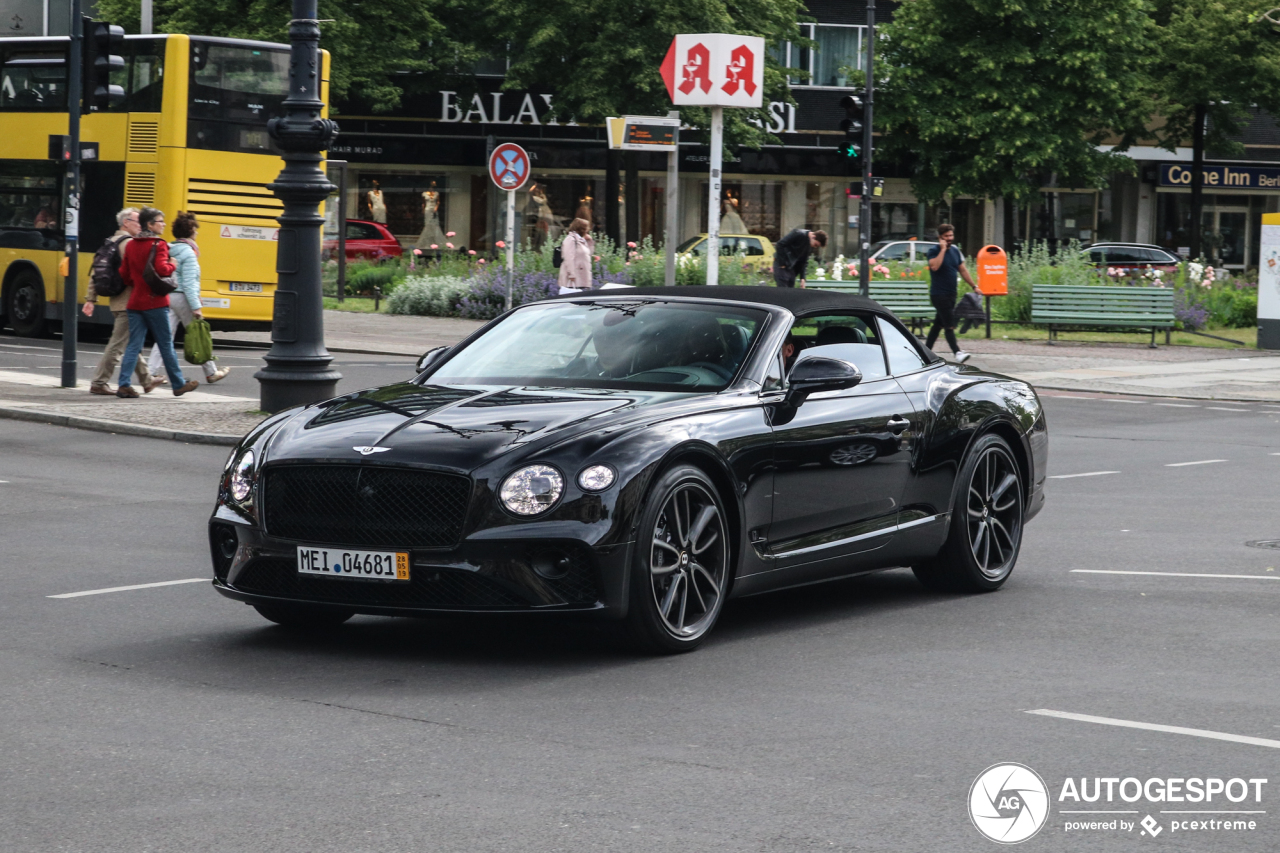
356	565
245	287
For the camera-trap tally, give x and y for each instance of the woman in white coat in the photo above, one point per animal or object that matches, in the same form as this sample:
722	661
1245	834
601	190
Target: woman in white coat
576	253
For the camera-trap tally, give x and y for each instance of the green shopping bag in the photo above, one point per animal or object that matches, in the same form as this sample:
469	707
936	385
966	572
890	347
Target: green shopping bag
197	347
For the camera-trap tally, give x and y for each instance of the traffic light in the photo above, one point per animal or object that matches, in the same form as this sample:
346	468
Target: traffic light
851	124
103	44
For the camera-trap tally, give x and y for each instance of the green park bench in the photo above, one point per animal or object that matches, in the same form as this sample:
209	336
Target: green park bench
908	300
1059	305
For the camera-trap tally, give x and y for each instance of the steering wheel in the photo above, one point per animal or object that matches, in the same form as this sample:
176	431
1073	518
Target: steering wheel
717	369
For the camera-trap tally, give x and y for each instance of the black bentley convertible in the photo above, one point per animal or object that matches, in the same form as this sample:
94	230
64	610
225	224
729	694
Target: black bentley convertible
640	455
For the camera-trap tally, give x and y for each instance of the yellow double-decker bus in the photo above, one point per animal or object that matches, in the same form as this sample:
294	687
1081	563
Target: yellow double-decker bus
190	134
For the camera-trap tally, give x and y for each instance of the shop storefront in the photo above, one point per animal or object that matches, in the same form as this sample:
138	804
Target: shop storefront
1235	197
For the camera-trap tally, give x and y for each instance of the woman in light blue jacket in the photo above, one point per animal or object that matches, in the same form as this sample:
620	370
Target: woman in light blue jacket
184	303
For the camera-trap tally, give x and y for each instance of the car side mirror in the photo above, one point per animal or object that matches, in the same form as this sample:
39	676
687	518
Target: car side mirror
820	374
430	357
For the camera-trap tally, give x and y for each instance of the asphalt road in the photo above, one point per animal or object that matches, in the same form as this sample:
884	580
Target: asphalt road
44	356
847	716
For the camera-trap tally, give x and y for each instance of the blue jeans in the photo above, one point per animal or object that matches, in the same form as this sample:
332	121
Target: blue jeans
155	321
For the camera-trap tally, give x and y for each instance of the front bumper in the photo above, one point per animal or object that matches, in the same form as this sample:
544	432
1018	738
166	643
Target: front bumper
508	574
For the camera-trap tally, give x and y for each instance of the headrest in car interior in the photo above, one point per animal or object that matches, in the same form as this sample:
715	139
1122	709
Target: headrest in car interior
839	335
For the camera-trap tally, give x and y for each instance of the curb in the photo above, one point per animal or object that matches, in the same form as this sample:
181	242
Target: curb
348	350
118	427
1149	395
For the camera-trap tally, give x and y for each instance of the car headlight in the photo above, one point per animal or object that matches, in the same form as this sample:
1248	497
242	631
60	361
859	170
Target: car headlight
242	477
532	489
596	478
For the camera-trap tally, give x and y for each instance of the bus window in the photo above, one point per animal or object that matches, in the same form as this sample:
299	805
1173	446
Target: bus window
235	89
30	199
33	78
142	77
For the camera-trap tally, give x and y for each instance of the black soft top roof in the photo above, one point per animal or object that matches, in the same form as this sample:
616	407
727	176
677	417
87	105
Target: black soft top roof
794	299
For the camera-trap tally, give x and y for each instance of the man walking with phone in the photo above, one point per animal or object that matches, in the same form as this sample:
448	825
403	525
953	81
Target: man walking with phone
945	261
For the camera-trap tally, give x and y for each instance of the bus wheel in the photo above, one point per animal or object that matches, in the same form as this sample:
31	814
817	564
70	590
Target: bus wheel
26	305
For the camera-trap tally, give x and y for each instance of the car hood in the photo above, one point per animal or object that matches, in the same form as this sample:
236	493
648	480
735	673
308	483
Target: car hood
460	428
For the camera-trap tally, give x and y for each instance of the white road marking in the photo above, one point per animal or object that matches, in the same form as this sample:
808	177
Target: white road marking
1086	474
1172	574
1179	405
1198	462
1225	409
126	588
1157	727
1135	402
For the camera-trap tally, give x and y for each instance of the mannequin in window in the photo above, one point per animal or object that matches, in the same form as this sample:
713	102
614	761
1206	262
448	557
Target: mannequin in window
538	214
377	205
730	220
432	234
584	208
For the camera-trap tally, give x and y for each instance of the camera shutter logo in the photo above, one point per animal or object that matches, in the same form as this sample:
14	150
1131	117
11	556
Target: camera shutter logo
1008	803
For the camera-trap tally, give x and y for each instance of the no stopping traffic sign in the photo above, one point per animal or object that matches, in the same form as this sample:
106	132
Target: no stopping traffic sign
509	166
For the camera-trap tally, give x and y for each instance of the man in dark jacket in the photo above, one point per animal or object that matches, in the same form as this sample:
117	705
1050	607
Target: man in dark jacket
791	255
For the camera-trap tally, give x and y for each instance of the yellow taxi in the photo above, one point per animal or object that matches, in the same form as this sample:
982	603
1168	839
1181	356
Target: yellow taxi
758	250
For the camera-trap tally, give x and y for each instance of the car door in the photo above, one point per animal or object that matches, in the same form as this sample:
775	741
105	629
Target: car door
839	471
363	240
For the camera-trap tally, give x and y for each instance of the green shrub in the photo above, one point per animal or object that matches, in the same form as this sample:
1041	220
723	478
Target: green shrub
429	296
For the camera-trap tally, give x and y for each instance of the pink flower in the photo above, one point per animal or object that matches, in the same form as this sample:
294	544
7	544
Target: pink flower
500	244
481	260
630	245
433	245
450	245
419	251
597	257
627	264
471	251
451	233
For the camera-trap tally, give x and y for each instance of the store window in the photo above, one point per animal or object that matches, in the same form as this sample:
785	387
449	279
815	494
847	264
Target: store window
825	210
1230	226
747	207
412	206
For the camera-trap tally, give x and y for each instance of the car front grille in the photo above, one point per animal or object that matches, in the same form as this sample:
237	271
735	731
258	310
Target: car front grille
364	506
504	584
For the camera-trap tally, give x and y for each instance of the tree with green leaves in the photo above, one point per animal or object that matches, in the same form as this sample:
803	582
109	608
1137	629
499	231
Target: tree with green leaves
601	57
378	48
988	96
1214	59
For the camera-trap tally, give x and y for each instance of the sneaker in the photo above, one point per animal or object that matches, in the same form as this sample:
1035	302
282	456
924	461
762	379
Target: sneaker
217	374
962	357
190	386
127	392
153	383
103	390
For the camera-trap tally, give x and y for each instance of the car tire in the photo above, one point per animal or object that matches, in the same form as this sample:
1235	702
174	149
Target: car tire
680	571
26	305
299	617
986	523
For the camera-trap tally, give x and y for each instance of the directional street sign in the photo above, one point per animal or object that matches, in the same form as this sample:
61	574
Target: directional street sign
509	166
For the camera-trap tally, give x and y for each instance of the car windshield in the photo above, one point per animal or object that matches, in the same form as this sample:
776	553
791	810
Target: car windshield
634	345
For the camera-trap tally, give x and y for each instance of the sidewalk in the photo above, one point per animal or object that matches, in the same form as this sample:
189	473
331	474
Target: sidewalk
219	419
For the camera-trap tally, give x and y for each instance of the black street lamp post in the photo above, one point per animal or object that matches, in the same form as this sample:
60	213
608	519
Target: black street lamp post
297	370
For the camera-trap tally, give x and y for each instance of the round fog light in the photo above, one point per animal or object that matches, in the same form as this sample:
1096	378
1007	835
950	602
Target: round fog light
596	478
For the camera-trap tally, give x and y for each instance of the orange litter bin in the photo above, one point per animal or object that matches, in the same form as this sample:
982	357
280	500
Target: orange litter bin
993	271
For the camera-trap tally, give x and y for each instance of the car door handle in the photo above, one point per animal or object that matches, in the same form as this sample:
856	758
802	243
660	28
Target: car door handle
898	424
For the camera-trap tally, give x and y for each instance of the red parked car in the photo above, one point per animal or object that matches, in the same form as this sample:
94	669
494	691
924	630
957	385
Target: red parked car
366	240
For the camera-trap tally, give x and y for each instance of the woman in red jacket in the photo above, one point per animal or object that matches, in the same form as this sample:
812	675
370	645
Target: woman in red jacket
147	311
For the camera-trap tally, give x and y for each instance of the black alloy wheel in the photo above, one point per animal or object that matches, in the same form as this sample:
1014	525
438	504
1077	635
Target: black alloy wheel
26	305
986	523
681	569
300	617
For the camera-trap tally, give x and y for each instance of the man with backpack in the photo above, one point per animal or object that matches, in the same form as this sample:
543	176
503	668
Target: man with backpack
105	280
